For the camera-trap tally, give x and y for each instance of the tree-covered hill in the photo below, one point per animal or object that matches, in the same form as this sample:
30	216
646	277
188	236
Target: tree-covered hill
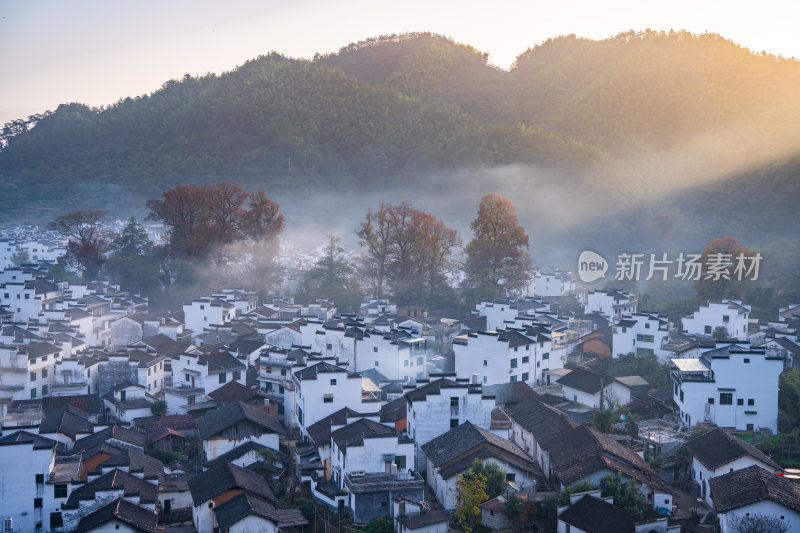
632	120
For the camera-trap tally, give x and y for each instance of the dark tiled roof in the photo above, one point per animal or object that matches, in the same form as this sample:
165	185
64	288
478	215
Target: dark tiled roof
547	423
69	421
375	376
245	505
88	403
750	485
136	461
504	393
459	441
514	338
320	431
23	437
435	387
238	452
717	448
38	349
217	361
120	433
234	391
114	480
226	476
394	410
354	434
425	519
156	341
584	380
321	368
140	518
594	515
233	413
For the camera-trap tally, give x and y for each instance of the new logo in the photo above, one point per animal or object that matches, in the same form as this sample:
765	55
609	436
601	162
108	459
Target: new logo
591	266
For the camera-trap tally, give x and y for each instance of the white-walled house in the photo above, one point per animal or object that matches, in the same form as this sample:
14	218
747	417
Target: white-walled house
612	304
237	424
594	390
452	453
753	491
505	356
398	355
322	389
26	460
729	386
205	312
642	334
127	401
442	404
552	282
729	314
207	371
717	453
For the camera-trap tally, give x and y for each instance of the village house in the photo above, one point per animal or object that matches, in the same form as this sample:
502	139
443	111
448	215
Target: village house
709	319
205	312
236	424
552	282
731	385
642	334
396	354
596	390
453	453
589	512
754	491
717	452
127	401
440	405
612	304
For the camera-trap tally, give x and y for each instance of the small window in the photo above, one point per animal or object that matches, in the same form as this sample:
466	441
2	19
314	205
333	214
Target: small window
454	401
513	379
526	359
746	360
751	401
37	503
333	381
377	363
454	422
405	363
329	346
524	376
44	391
708	330
60	490
485	362
739	401
513	363
725	398
328	398
546	355
33	376
223	377
375	349
56	520
237	375
516	348
39	478
711	401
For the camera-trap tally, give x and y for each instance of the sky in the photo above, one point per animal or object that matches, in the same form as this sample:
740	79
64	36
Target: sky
98	51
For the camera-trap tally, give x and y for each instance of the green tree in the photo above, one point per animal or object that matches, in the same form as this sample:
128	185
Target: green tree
158	408
379	525
497	264
332	277
20	258
470	493
789	393
513	508
135	273
133	241
625	492
603	420
563	497
721	333
495	476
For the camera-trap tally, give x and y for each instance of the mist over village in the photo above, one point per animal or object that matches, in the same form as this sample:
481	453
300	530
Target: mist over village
525	279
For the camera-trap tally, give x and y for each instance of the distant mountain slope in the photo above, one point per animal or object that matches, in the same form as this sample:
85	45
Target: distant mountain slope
638	119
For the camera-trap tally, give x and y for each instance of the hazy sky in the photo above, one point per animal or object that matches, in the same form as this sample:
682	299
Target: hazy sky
96	51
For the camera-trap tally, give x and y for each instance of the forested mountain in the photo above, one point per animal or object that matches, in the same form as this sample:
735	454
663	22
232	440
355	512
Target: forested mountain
649	122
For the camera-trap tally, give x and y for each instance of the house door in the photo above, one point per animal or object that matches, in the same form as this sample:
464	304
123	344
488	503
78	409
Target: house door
167	506
387	466
704	489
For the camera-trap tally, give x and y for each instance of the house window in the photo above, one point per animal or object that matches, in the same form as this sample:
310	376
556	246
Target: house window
726	318
33	394
8	525
327	398
375	349
708	330
237	375
333	381
60	490
513	379
329	346
739	401
33	376
524	376
546	355
37	503
528	347
646	325
511	477
187	378
377	364
400	461
746	360
454	422
725	398
39	479
644	338
56	520
751	401
405	363
711	401
223	377
485	362
190	400
513	363
516	348
682	395
526	359
148	371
